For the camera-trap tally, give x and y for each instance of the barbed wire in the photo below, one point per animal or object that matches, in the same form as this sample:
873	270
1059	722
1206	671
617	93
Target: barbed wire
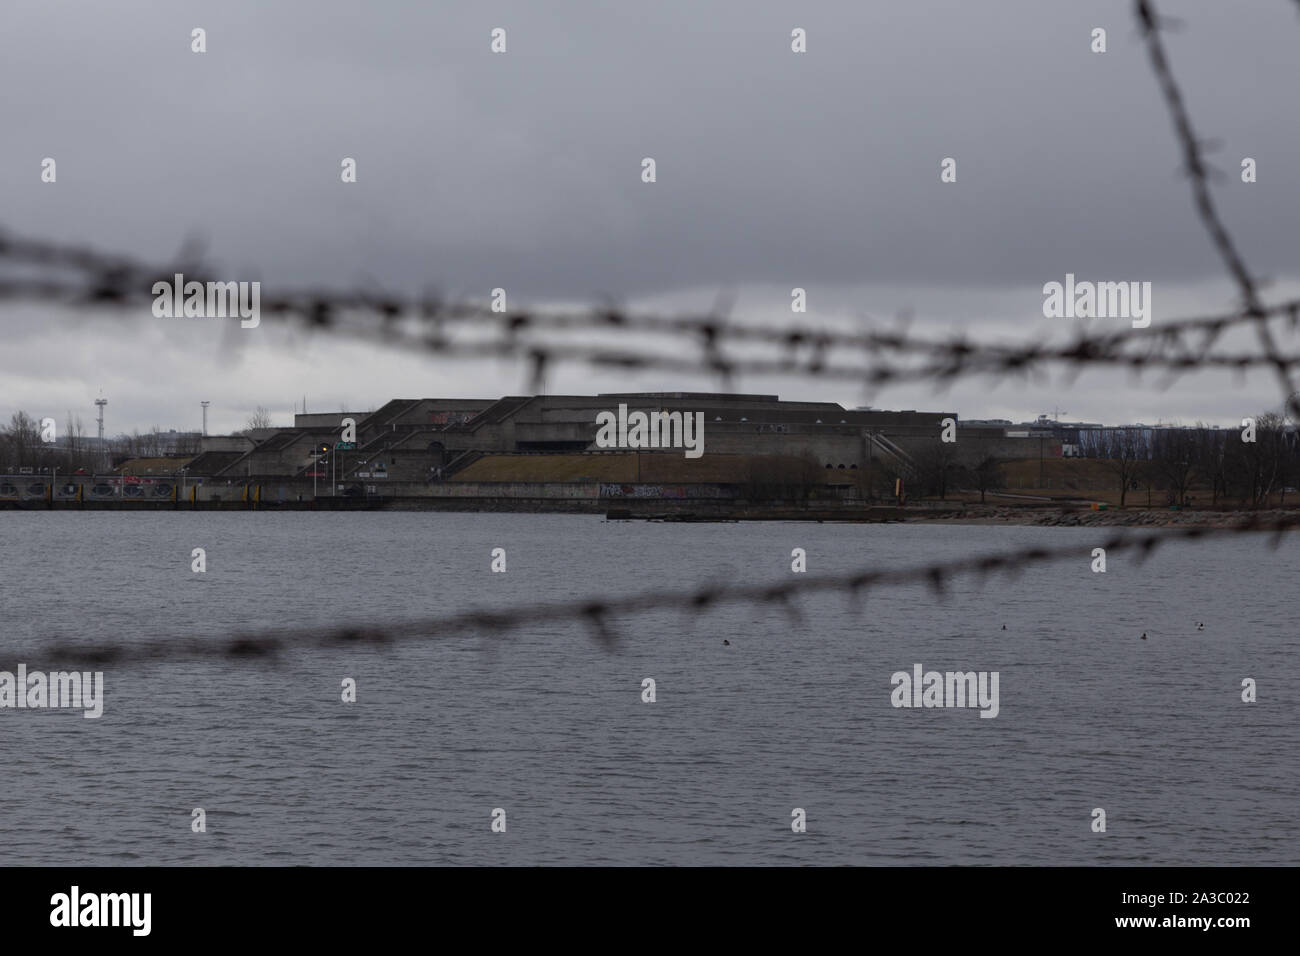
1175	347
599	615
1198	172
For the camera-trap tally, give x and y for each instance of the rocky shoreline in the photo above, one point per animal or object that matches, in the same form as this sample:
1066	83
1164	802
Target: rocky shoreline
1128	517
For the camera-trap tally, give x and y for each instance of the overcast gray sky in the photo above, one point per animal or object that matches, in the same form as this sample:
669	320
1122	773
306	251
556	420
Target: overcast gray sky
522	170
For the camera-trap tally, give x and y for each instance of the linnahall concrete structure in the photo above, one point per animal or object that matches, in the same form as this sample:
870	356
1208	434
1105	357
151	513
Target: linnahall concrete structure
543	449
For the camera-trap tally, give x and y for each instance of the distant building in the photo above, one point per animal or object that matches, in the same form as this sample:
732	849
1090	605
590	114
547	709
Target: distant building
414	439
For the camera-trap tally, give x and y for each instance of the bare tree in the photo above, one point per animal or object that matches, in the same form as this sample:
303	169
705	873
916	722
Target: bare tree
1289	460
22	439
154	443
1174	460
1261	461
188	443
1210	455
935	465
985	473
259	419
1121	450
72	432
789	477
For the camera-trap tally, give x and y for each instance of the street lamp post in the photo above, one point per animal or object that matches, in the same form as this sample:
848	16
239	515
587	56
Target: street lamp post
334	463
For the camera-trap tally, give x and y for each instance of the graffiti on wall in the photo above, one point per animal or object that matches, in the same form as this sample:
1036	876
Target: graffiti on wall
635	491
449	418
664	491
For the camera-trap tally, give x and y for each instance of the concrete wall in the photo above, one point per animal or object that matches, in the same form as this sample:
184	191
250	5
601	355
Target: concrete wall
442	411
978	442
414	437
325	419
285	459
514	489
225	443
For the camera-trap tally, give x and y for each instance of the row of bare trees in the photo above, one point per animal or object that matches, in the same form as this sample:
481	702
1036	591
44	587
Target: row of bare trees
785	478
941	468
1212	462
1218	461
23	445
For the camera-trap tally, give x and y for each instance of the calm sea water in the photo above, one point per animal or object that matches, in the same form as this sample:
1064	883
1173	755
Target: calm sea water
550	726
